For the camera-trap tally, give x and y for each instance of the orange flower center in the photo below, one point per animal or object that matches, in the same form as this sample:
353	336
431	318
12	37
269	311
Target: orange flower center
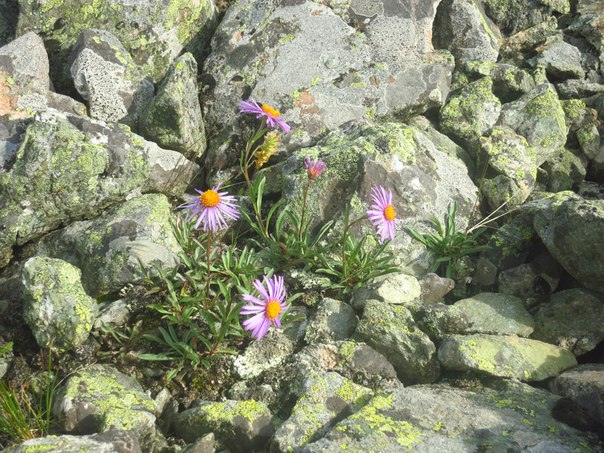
270	111
313	172
209	198
389	212
273	308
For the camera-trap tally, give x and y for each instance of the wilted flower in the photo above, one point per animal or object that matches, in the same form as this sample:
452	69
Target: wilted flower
264	110
314	167
382	214
267	149
212	208
268	309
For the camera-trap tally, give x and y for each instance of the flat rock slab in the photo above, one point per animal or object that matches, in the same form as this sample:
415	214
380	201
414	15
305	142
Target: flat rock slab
511	416
505	356
110	442
495	313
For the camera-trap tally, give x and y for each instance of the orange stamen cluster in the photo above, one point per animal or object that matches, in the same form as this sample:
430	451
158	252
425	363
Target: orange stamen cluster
209	198
389	213
273	308
273	113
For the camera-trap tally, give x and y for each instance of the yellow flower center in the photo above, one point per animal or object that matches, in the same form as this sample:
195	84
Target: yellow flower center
273	308
389	212
270	111
313	172
209	198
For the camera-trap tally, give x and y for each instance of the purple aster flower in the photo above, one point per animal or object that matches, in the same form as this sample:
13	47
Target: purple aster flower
314	168
382	214
267	309
264	110
211	208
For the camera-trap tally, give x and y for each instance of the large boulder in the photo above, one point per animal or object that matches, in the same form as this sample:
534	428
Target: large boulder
112	441
99	398
504	356
106	76
305	60
428	418
154	32
391	330
111	249
57	309
173	119
69	168
572	229
572	319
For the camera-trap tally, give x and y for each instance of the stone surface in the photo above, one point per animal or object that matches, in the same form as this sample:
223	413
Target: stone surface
112	441
154	31
434	287
428	418
511	157
105	75
397	288
512	16
342	74
240	425
92	166
538	117
470	112
462	28
173	119
571	229
333	321
494	313
325	399
439	320
572	319
505	356
56	307
260	356
391	330
111	249
564	170
561	60
585	386
99	398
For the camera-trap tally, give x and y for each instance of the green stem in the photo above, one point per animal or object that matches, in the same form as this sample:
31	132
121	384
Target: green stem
301	226
208	270
344	236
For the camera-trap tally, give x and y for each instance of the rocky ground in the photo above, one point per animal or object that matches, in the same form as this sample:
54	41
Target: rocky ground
111	110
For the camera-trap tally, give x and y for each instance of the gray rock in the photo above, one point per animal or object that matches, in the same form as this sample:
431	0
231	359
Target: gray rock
324	400
240	425
495	313
588	23
105	75
11	133
434	287
92	166
9	12
439	320
173	119
575	89
585	386
391	330
113	314
56	307
111	248
538	116
429	418
589	140
333	321
513	16
112	441
561	60
388	69
462	28
571	229
573	319
205	444
154	32
397	288
531	281
511	157
469	113
26	61
99	398
260	356
505	356
509	81
564	170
